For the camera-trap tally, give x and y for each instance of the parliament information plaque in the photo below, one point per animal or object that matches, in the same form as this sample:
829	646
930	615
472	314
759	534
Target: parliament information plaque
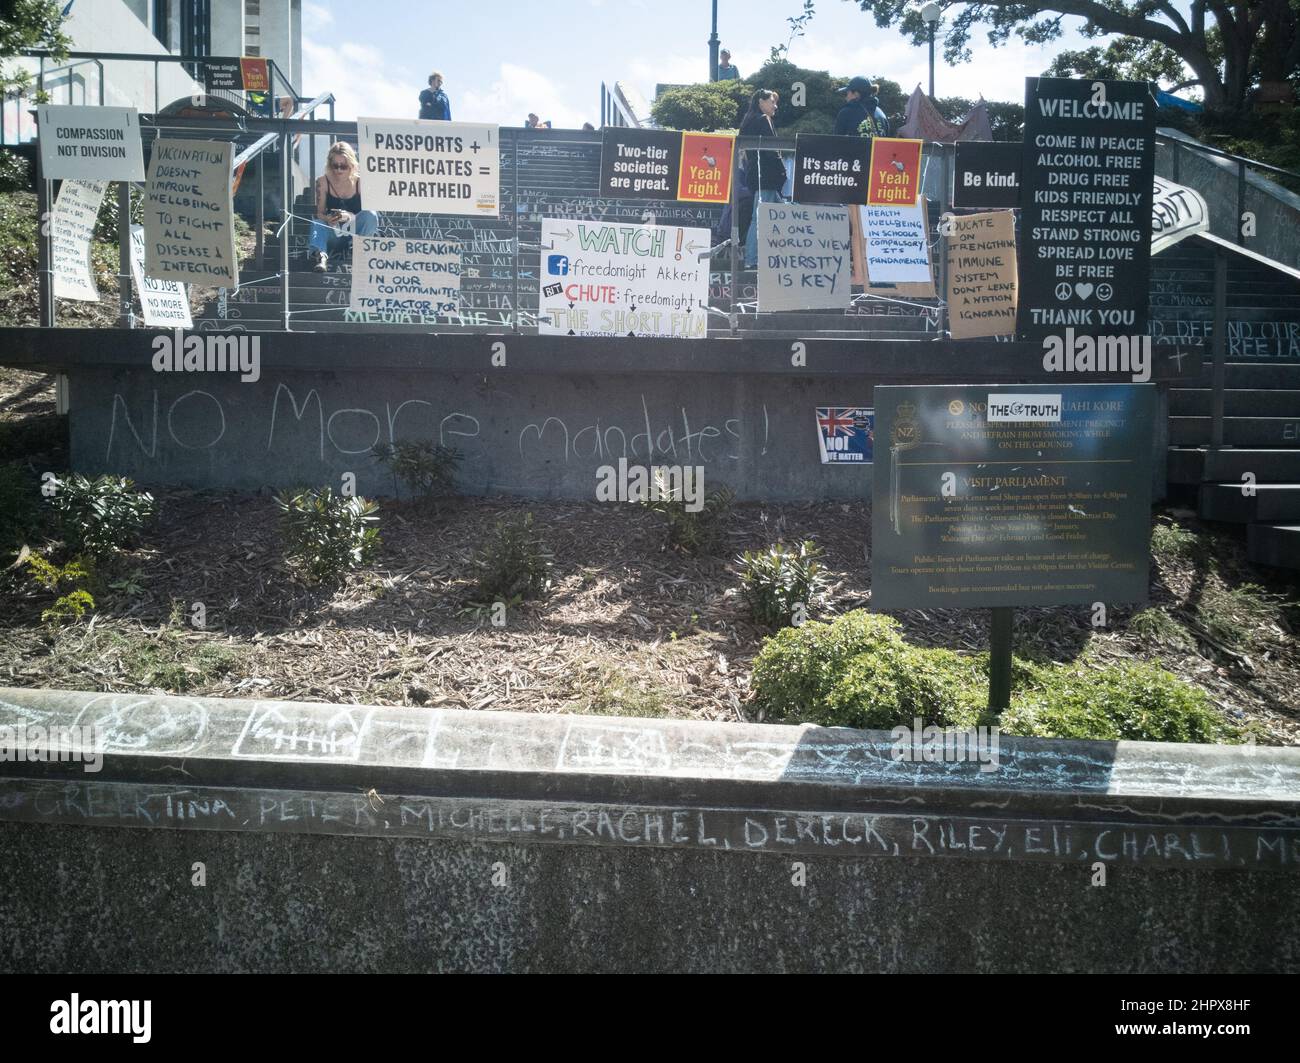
988	495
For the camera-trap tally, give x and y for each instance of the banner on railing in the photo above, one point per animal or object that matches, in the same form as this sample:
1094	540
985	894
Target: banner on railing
189	218
706	168
1177	212
895	176
395	275
72	227
606	279
162	303
640	163
982	275
830	169
89	143
427	167
803	257
986	175
897	244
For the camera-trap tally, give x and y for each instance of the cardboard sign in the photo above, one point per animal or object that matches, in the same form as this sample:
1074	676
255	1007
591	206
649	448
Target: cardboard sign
163	303
428	167
1011	495
706	168
895	173
986	175
803	257
255	73
188	213
89	143
830	169
982	275
640	163
1089	162
846	434
897	244
609	279
396	275
72	226
1177	212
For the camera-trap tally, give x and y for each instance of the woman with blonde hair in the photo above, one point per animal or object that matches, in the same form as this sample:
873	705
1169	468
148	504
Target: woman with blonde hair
338	208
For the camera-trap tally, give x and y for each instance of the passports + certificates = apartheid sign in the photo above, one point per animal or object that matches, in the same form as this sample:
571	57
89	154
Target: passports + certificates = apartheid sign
1004	495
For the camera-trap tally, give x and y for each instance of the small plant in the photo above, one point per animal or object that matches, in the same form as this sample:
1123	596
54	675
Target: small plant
71	606
51	577
1156	625
102	516
512	563
326	534
1170	542
694	533
1234	615
782	583
427	469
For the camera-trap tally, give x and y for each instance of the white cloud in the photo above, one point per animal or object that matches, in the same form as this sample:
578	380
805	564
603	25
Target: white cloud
315	15
363	81
516	91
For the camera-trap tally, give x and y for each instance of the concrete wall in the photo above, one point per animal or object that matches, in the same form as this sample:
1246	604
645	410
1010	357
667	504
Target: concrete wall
369	838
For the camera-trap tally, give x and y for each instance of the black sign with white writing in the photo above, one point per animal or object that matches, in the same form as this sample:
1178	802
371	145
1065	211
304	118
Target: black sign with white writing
830	169
987	175
223	74
640	163
1089	160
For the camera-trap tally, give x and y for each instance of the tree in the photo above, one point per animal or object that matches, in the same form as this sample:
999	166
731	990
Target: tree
706	107
29	24
1225	45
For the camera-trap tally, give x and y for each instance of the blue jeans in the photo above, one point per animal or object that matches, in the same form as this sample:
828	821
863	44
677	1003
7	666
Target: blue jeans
763	195
323	235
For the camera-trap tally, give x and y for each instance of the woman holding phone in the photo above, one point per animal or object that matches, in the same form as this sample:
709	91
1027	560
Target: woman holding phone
338	208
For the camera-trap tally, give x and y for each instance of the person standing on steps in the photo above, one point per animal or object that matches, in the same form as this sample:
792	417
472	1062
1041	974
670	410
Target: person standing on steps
434	104
861	115
338	208
764	171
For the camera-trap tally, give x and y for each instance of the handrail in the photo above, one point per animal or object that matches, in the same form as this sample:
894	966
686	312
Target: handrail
257	147
1196	145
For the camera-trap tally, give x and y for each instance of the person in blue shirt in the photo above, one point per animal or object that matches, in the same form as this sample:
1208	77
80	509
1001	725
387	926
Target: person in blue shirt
433	101
861	115
727	72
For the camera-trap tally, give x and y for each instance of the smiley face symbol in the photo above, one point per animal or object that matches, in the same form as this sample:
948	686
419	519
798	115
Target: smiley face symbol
1104	292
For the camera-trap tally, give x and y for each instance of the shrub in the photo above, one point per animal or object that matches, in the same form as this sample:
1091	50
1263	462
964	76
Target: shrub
20	507
102	516
427	469
706	107
70	606
1172	541
1156	625
513	564
895	683
700	532
327	534
780	580
1130	702
15	172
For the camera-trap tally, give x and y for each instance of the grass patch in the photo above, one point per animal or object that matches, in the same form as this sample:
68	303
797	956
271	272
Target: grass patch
608	692
1234	615
166	660
1156	625
1172	542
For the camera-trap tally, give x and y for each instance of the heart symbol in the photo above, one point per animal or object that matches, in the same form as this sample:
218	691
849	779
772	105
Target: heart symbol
1083	290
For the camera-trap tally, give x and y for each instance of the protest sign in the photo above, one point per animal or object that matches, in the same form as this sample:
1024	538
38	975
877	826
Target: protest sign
846	434
89	143
607	279
706	168
226	74
428	167
397	275
803	257
986	175
982	275
640	163
830	169
72	226
895	172
897	244
1086	194
256	76
1177	212
188	214
164	303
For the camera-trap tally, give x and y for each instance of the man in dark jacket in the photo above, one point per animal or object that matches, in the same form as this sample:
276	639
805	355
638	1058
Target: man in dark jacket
861	115
433	101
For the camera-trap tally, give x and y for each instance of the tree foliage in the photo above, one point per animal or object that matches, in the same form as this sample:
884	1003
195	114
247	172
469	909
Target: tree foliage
28	24
1225	48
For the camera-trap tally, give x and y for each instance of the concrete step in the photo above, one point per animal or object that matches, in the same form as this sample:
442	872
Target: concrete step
1237	431
1193	465
1268	503
1193	402
1274	544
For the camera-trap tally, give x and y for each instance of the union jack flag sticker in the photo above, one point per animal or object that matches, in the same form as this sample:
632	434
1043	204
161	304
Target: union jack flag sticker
845	434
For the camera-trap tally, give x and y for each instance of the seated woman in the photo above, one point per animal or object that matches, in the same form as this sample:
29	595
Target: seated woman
338	208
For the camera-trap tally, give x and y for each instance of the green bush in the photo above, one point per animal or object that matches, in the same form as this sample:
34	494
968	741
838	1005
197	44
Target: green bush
696	533
326	534
780	580
20	507
706	107
106	222
102	516
513	564
428	469
15	172
896	683
1129	702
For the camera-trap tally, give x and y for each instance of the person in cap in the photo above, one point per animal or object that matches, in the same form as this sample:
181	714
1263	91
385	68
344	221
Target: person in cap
727	72
861	115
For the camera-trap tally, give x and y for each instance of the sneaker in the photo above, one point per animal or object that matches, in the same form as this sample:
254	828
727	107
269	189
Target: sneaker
319	261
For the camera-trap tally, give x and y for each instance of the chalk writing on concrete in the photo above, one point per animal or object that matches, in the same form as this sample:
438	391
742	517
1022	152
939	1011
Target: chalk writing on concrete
281	730
131	723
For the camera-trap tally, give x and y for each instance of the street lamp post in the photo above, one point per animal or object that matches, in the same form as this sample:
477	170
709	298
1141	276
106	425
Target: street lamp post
930	13
713	45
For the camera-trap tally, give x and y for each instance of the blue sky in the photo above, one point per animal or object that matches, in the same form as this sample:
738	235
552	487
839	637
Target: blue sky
504	58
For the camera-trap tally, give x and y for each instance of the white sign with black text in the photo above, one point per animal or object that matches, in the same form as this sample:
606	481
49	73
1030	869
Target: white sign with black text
394	275
430	167
89	143
163	303
803	257
71	229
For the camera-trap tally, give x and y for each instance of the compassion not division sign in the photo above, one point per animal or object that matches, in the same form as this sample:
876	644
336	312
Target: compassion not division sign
89	143
1089	160
427	167
987	495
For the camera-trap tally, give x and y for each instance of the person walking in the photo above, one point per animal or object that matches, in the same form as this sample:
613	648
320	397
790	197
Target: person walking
861	115
764	171
727	72
434	103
